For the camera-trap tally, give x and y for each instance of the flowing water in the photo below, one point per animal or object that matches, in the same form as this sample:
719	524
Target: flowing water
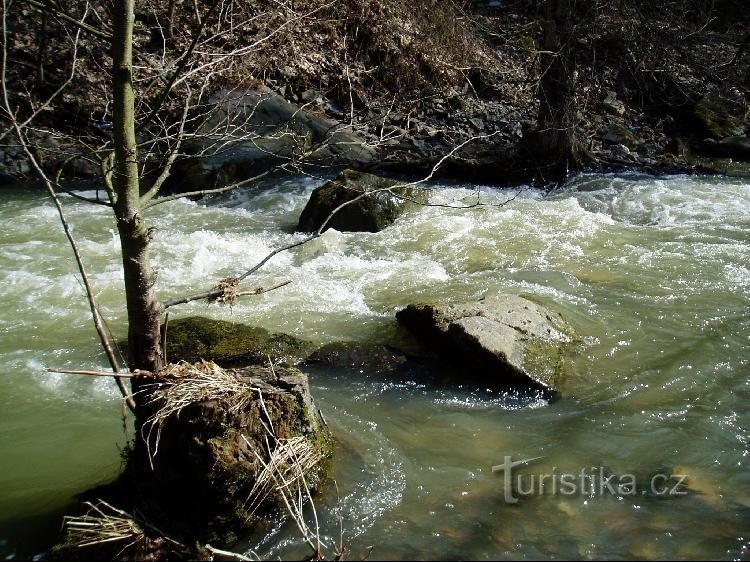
654	274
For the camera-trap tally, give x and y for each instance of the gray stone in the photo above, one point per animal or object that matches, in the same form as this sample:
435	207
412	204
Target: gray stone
379	201
612	105
420	145
270	131
619	134
308	95
506	340
477	123
622	153
357	355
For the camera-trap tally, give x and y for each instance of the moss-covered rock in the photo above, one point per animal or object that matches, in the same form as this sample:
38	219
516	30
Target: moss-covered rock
379	203
617	133
207	460
231	344
198	471
502	340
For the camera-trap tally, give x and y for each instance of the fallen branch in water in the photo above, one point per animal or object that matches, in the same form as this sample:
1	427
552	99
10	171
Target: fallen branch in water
134	374
225	292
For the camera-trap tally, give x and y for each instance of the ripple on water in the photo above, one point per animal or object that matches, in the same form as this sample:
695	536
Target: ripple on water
652	274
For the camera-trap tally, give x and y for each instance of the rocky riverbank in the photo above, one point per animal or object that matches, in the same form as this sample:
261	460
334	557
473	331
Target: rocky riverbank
408	89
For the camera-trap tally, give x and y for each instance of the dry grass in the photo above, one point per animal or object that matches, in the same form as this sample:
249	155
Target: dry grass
183	384
228	288
106	527
103	524
284	474
286	466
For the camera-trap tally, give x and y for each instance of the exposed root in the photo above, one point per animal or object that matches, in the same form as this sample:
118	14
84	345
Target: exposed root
183	384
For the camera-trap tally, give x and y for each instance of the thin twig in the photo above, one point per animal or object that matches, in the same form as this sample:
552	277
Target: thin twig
135	374
45	7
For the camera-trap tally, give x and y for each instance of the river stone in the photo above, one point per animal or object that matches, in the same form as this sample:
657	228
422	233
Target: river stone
205	466
231	344
507	339
371	213
617	133
196	487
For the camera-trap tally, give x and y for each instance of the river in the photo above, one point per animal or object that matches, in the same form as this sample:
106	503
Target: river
654	275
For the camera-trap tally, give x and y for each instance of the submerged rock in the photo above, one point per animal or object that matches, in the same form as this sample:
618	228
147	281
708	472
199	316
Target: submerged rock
375	358
506	339
236	345
372	212
231	344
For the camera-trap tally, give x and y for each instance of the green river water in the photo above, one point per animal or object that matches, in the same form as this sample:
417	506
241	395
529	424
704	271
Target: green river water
654	274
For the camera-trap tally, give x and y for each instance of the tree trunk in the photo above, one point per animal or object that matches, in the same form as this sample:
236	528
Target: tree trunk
144	309
553	146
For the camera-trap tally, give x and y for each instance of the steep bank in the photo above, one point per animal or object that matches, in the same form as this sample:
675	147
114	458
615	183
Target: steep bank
656	85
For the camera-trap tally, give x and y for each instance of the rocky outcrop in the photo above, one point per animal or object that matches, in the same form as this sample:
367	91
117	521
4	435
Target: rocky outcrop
736	148
505	340
376	203
268	131
231	344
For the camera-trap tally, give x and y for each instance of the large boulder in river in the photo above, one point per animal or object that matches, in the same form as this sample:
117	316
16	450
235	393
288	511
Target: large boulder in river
376	202
506	340
211	447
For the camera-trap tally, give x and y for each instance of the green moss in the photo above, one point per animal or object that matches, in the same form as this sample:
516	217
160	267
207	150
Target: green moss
544	360
230	344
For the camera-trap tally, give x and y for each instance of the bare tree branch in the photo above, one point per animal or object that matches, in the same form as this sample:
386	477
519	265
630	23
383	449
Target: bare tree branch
131	375
47	7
